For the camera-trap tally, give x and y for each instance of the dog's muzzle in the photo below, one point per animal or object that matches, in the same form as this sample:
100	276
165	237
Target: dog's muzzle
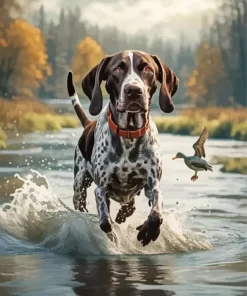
133	99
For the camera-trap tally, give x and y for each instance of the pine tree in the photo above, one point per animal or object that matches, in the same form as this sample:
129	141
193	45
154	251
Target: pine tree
50	84
42	24
61	66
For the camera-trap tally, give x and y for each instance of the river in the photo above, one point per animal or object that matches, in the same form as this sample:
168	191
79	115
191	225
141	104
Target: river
47	248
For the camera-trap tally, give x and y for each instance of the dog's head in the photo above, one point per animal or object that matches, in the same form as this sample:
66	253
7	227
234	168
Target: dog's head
131	80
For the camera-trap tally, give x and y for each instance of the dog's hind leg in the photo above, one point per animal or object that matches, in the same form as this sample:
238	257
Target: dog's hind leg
82	182
125	211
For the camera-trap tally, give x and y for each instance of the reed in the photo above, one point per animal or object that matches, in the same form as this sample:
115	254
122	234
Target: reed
26	116
222	123
236	165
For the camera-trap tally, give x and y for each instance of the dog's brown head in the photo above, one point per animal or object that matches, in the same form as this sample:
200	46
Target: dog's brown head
131	80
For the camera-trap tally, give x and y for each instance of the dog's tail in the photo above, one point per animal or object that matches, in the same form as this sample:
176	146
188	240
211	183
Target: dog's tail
76	102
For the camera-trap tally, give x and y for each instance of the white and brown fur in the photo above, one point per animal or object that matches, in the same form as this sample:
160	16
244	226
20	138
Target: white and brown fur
122	167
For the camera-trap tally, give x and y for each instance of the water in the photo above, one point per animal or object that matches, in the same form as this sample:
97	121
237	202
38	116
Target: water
47	248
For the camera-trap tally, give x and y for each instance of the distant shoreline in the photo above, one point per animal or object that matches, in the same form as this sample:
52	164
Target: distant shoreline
20	116
222	123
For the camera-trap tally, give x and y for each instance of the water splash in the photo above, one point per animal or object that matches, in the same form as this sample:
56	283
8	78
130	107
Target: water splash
38	217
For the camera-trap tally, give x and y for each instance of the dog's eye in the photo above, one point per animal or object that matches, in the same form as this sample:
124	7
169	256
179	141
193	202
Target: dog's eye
117	70
147	69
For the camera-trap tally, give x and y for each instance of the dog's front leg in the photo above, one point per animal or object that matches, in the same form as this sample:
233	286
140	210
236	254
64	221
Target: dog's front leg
150	229
103	211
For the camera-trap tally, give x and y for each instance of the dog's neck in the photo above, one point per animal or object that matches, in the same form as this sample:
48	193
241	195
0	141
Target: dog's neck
128	120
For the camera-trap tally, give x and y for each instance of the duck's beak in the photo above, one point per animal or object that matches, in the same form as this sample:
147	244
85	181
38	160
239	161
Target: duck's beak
175	157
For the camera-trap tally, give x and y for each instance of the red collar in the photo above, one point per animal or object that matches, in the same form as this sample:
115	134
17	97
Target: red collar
126	133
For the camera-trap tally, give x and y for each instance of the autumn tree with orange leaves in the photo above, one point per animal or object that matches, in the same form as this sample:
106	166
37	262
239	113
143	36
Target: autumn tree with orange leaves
207	84
88	54
23	59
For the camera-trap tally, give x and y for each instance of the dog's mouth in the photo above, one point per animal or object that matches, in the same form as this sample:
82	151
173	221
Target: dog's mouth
132	107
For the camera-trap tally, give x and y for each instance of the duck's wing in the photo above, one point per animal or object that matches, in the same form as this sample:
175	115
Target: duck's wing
196	163
199	144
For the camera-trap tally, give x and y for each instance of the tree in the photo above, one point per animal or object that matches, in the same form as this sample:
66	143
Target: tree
220	74
88	54
23	60
76	31
8	8
230	26
42	23
61	67
48	87
204	85
183	66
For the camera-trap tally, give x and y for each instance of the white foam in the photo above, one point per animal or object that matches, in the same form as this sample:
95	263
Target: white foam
38	216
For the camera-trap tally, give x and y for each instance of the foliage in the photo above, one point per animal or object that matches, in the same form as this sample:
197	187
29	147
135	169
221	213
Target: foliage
220	74
8	8
33	122
236	165
3	138
88	54
221	123
214	113
63	39
216	76
202	85
23	116
23	62
12	111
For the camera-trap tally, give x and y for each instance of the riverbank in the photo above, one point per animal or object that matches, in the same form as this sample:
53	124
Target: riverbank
20	116
222	123
235	165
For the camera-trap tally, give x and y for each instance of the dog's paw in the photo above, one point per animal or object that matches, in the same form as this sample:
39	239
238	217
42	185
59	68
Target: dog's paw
121	217
125	212
81	206
106	226
150	229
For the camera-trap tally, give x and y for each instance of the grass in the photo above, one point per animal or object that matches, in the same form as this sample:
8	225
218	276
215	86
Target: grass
3	138
222	123
25	116
33	122
237	165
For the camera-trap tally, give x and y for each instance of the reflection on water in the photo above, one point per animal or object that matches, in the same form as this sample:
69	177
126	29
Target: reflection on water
15	270
214	208
103	276
129	275
119	277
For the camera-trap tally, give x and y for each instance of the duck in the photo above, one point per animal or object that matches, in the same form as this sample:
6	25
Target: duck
195	162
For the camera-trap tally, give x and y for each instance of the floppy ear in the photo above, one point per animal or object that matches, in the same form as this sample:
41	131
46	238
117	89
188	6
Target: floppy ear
169	85
91	86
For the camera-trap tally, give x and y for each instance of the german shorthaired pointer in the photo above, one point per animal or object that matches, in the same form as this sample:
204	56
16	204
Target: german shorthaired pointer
120	151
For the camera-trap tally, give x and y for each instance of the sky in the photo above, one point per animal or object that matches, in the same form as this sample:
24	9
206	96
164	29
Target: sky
158	18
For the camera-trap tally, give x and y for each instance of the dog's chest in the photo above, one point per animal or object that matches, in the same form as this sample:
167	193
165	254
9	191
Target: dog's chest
125	180
121	168
128	174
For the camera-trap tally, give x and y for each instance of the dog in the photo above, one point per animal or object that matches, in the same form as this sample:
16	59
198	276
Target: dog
120	151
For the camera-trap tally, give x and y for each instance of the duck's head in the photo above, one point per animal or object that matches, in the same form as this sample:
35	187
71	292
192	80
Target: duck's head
179	155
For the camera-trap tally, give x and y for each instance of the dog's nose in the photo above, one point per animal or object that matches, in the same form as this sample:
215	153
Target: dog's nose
132	90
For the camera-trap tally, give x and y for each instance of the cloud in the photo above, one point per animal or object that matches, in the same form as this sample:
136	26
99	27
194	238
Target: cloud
160	17
163	17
